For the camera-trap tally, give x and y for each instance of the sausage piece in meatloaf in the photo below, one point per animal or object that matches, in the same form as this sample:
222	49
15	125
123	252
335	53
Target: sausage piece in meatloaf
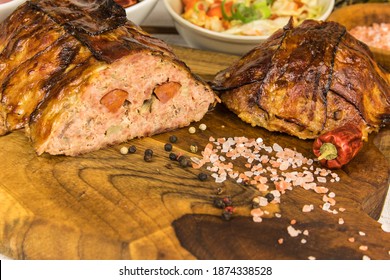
94	80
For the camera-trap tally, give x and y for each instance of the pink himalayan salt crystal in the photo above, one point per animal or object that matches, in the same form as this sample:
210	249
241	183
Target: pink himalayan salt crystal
308	208
293	232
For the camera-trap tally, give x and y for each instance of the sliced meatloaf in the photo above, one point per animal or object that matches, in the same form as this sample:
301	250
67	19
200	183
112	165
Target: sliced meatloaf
79	76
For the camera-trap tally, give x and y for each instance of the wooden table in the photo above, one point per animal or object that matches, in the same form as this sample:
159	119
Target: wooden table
105	205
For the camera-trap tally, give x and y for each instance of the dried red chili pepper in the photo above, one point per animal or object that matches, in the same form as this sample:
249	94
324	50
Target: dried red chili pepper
339	146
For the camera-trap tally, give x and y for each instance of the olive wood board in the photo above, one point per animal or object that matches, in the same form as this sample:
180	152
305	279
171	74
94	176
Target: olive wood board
105	205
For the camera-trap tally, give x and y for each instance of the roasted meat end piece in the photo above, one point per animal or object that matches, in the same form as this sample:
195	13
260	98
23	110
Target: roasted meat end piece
307	80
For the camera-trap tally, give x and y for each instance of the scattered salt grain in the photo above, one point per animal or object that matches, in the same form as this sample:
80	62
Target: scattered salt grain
309	186
263	201
257	212
275	193
284	165
351	239
303	241
293	232
321	189
257	219
307	208
363	248
280	240
321	179
311	258
326	198
341	221
362	233
277	148
326	206
366	258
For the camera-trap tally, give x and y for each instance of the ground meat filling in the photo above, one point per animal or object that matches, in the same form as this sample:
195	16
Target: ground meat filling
139	96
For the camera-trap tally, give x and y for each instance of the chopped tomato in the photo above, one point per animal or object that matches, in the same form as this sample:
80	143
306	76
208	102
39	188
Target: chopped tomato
215	9
189	4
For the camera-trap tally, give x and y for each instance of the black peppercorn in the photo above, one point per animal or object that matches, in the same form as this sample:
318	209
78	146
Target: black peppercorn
132	149
219	203
269	197
183	161
172	156
172	139
148	152
168	147
202	176
226	215
148	158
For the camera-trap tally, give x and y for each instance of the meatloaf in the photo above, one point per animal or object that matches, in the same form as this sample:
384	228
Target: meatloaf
307	80
79	76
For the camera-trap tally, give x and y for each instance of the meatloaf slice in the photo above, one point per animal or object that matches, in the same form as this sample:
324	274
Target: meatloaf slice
140	95
95	78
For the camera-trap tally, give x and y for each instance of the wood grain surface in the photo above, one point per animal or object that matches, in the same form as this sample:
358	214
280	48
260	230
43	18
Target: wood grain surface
105	205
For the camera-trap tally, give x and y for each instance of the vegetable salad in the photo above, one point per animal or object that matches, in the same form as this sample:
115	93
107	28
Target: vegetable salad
248	17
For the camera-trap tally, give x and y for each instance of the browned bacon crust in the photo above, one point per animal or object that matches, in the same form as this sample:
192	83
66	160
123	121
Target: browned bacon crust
307	80
80	76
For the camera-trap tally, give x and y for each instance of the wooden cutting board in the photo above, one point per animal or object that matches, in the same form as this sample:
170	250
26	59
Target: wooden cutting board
105	205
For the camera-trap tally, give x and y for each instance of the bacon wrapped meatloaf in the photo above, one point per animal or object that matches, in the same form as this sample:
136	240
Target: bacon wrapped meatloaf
308	80
79	76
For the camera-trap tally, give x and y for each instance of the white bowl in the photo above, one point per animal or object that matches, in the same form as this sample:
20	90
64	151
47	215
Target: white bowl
201	38
7	8
138	12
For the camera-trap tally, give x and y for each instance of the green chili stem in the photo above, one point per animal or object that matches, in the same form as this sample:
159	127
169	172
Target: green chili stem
328	151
